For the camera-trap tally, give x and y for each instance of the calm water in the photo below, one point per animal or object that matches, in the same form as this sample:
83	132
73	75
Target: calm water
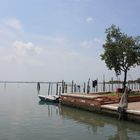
24	117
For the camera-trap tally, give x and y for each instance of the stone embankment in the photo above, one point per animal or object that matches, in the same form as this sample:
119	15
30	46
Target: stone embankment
103	104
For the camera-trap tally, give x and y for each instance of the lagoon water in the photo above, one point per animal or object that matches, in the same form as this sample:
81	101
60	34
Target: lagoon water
24	117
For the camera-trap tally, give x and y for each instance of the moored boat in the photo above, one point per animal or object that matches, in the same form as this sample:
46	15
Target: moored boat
49	98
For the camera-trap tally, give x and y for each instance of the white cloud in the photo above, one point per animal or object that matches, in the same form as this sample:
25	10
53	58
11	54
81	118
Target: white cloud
13	23
89	19
23	49
58	40
86	44
51	41
25	54
91	43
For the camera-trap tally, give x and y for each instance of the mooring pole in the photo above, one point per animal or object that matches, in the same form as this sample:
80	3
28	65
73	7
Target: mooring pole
65	88
72	86
49	88
57	88
97	86
112	83
103	83
88	86
63	84
38	87
84	89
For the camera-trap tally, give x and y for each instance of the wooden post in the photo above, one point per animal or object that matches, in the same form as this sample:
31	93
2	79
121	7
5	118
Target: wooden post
79	90
38	87
63	84
109	87
84	89
128	85
57	88
134	85
49	88
119	82
97	86
88	86
65	88
103	83
112	83
72	86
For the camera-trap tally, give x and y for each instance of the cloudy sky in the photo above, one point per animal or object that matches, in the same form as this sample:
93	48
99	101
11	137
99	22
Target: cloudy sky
51	40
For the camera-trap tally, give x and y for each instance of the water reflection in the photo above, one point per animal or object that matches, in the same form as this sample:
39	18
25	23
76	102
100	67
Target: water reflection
41	102
123	130
52	108
112	128
121	133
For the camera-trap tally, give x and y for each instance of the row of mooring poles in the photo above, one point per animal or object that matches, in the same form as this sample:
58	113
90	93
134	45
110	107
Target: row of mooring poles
61	87
91	85
75	87
104	85
86	87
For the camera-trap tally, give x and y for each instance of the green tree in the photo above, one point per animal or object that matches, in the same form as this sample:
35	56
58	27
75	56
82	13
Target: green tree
121	52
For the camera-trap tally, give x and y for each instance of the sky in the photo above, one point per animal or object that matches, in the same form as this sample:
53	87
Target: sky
54	40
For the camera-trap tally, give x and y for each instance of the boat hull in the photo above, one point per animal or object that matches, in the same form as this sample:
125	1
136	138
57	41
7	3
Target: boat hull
53	99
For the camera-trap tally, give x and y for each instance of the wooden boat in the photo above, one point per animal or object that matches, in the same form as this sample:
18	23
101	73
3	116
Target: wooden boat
49	98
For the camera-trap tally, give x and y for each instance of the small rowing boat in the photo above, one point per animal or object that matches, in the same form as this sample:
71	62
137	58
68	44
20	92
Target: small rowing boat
49	98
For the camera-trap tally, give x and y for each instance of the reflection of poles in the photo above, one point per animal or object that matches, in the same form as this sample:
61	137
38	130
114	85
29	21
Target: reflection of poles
121	133
49	114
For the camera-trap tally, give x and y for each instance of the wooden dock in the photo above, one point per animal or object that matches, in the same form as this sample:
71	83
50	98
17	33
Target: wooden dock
102	104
